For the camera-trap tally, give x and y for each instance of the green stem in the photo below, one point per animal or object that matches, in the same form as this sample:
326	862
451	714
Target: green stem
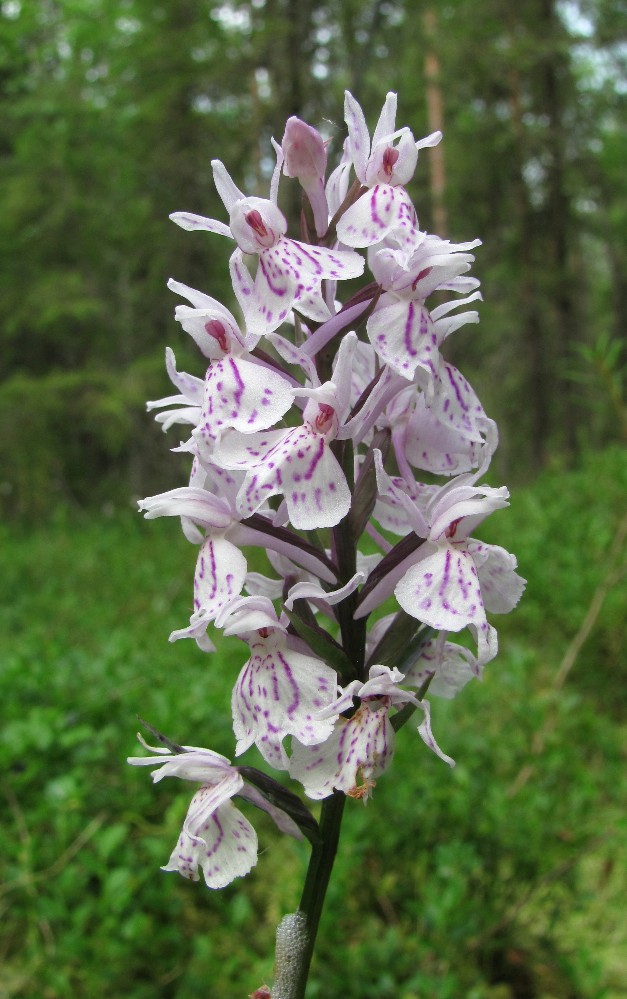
317	881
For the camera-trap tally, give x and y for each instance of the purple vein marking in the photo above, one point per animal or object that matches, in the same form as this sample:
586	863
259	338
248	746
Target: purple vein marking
239	384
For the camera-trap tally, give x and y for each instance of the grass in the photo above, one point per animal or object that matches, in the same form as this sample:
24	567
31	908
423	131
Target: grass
504	875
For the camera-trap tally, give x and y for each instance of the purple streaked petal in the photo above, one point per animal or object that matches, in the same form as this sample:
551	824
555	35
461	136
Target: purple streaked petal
501	585
430	445
442	590
357	751
449	666
404	337
220	574
375	215
219	840
297	464
274	291
243	395
456	405
280	692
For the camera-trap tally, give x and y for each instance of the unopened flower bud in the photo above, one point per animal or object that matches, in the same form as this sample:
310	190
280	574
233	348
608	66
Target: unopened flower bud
304	150
306	158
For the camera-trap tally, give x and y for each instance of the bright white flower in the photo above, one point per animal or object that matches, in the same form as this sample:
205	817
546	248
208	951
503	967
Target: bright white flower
279	691
289	273
360	747
239	392
215	835
385	167
298	463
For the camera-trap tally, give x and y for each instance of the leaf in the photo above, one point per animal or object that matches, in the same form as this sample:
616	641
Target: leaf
323	645
284	799
365	494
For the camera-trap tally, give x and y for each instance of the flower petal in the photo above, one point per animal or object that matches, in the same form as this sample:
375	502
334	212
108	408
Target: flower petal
358	750
218	839
376	214
194	222
358	134
243	395
456	404
404	337
443	590
501	586
300	466
278	693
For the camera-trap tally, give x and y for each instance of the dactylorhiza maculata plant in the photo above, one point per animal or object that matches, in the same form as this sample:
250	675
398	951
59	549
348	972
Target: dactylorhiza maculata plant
308	435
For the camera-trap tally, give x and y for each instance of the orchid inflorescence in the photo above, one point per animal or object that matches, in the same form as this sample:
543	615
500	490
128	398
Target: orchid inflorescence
307	431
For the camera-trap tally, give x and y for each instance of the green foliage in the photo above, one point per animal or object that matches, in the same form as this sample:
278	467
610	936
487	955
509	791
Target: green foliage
78	437
503	874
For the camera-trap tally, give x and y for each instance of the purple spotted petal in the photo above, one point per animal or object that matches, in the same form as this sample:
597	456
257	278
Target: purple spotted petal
215	837
290	273
358	750
220	575
442	590
278	693
375	215
404	337
235	450
273	294
449	666
242	395
297	464
501	586
456	405
432	446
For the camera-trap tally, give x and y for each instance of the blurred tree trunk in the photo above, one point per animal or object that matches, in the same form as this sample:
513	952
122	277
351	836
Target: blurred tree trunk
554	73
533	330
435	118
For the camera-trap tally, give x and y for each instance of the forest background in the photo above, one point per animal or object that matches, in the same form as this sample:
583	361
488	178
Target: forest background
111	111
